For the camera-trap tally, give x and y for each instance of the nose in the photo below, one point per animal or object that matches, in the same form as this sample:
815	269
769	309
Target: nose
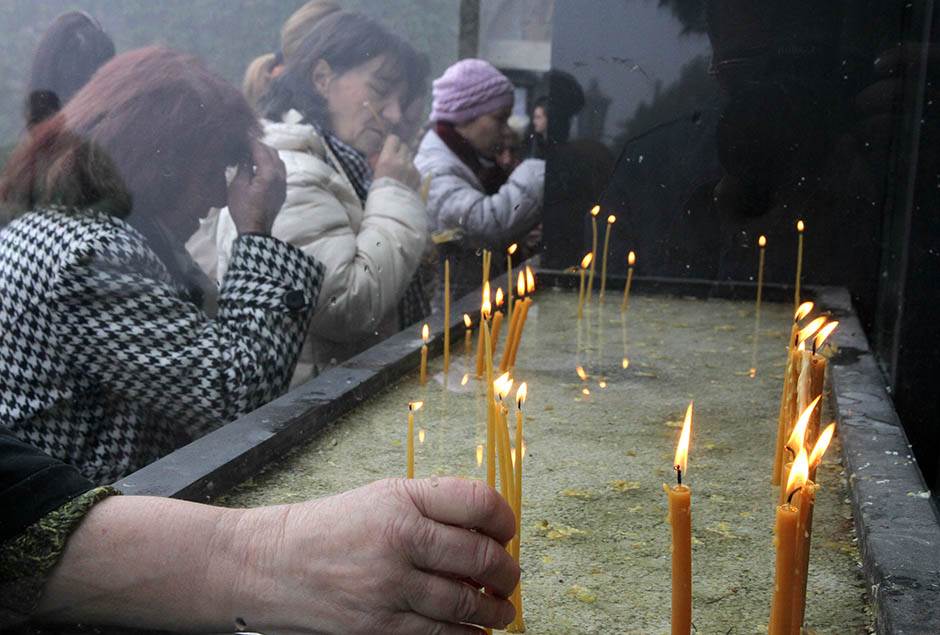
392	111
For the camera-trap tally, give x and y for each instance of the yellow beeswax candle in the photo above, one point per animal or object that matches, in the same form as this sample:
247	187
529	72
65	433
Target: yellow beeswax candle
802	311
446	315
467	334
594	212
582	292
413	407
786	527
425	334
631	261
509	252
800	227
610	221
680	519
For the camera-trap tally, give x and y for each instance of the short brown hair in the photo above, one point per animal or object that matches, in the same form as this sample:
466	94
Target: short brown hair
130	136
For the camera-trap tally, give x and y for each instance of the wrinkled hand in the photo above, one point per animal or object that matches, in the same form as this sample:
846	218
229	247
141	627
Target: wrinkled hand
395	556
396	162
255	199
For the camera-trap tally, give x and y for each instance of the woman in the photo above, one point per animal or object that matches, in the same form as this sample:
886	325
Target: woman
70	51
106	359
326	114
469	192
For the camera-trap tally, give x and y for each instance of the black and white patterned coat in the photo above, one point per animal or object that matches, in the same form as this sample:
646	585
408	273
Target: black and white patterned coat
107	364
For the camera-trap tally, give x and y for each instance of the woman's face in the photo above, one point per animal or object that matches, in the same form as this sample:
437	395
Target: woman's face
363	103
539	120
486	131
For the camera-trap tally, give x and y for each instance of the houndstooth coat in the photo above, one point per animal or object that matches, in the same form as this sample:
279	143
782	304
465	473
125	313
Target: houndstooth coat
106	363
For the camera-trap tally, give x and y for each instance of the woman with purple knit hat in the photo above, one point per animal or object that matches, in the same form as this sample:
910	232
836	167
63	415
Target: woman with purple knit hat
470	193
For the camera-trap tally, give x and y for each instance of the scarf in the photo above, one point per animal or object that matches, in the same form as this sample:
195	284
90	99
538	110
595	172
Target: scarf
491	176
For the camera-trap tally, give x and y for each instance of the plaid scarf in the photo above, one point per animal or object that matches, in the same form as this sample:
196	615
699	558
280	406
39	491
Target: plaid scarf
415	305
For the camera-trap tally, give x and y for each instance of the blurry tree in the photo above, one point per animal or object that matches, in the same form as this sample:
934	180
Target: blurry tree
227	34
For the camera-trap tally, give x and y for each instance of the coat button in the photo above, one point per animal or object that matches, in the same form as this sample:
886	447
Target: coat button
295	299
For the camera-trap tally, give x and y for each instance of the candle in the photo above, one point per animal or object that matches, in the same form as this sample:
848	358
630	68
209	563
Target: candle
467	334
524	313
594	212
509	252
480	337
819	449
501	387
479	455
518	624
425	334
413	407
490	400
631	260
497	318
799	261
680	518
585	263
513	324
762	245
610	221
796	441
817	370
446	315
426	188
801	312
487	255
787	518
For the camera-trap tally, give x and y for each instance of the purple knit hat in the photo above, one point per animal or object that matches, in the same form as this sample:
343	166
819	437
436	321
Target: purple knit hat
468	89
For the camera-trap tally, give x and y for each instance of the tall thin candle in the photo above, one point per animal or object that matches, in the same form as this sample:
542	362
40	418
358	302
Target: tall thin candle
585	263
631	261
518	624
467	334
497	319
425	334
413	407
800	227
762	245
446	315
610	221
802	311
481	366
594	212
509	252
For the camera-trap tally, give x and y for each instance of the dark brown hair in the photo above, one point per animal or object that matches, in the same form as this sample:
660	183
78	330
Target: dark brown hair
131	136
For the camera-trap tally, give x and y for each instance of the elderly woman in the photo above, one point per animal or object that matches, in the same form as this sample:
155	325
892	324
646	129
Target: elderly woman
327	114
470	193
107	361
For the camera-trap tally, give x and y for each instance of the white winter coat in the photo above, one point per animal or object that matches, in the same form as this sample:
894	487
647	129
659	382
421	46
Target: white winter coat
370	254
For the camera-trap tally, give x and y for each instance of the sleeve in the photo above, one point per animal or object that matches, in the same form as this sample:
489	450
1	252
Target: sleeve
43	500
125	325
488	220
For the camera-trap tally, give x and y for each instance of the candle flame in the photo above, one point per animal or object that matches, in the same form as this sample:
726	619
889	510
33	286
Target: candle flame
800	226
583	375
520	285
499	297
586	261
810	329
822	444
802	311
611	219
465	379
521	393
799	473
486	308
502	385
801	347
795	442
585	391
479	455
602	384
824	333
595	210
762	241
512	454
425	333
467	321
414	406
631	258
681	461
529	280
421	434
512	249
625	363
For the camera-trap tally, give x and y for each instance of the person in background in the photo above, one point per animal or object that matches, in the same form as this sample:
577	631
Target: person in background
68	54
107	360
508	155
390	557
332	108
538	132
264	68
470	193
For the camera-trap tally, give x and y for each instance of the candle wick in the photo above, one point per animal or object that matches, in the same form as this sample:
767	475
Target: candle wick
790	495
678	475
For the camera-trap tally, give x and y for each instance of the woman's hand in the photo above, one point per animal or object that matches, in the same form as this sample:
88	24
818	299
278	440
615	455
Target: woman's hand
396	162
256	193
395	556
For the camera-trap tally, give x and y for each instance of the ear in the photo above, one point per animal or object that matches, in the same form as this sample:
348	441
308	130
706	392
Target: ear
322	76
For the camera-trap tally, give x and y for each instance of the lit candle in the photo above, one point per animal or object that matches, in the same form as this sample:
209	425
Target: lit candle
509	252
467	334
479	455
762	245
501	387
594	212
524	313
796	441
631	260
802	311
490	398
413	407
799	261
497	318
486	265
817	372
446	315
610	221
585	263
425	334
787	518
480	337
680	518
513	324
518	624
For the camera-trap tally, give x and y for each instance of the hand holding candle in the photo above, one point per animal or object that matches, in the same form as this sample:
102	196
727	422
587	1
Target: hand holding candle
680	518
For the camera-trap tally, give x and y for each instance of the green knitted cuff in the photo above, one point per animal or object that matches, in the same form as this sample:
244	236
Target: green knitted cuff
27	560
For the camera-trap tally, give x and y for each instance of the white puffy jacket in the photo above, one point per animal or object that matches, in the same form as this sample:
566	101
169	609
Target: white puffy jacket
369	254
